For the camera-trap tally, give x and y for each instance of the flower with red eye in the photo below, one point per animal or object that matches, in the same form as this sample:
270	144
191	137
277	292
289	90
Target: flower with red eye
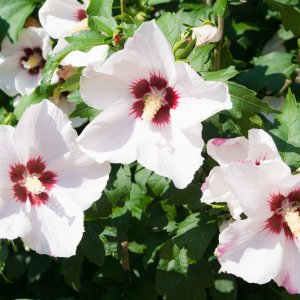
153	107
46	181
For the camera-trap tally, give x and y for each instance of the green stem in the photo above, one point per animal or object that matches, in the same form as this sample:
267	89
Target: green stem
219	47
122	4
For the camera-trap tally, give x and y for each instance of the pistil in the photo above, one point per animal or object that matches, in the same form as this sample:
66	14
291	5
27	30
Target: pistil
34	185
152	106
292	218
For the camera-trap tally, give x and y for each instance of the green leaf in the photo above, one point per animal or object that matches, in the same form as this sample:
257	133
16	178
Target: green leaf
158	184
82	110
75	97
155	2
91	244
220	7
201	58
100	8
71	84
245	100
193	229
271	75
221	75
27	100
170	26
286	131
3	256
290	16
15	14
103	24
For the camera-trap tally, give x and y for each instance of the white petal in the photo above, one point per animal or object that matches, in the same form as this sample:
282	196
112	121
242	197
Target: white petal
46	131
56	228
58	17
170	152
78	58
146	52
27	83
198	99
113	130
13	220
261	146
80	180
253	185
216	190
206	34
250	252
226	151
289	275
9	68
8	155
150	46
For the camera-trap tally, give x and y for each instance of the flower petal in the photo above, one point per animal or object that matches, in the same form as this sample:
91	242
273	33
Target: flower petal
253	185
56	228
13	220
44	130
114	129
58	17
248	251
216	190
198	99
27	83
289	275
9	68
170	152
261	146
226	151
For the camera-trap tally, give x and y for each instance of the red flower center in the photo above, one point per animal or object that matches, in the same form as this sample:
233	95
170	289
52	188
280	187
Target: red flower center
80	15
154	99
286	214
33	60
32	181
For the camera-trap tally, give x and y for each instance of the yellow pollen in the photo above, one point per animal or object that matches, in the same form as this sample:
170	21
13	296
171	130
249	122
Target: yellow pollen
152	106
82	25
34	186
293	220
33	61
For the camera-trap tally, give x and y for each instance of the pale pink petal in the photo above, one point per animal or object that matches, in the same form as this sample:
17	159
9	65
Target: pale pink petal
56	228
250	252
198	99
169	152
216	190
289	275
59	18
206	34
113	130
253	186
261	146
44	130
226	151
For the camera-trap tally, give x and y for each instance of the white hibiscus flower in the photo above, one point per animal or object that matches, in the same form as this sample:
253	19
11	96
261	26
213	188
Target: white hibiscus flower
21	63
46	182
259	147
153	107
265	245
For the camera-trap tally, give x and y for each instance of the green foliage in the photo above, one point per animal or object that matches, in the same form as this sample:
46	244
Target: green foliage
15	14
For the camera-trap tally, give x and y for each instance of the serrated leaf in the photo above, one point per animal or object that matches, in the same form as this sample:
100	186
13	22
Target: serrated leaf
15	13
245	100
220	7
103	24
286	131
82	110
71	84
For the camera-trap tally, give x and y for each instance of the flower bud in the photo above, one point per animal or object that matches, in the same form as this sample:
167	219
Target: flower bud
206	33
184	46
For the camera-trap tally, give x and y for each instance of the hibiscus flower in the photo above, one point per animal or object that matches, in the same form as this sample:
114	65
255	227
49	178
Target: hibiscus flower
265	245
46	182
21	63
259	147
153	107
